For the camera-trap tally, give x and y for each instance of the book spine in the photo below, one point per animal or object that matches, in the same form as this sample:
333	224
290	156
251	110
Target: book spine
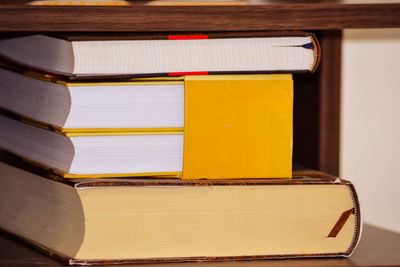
358	227
317	53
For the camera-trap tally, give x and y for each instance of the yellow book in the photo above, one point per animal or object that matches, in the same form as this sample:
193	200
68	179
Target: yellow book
238	126
173	220
214	127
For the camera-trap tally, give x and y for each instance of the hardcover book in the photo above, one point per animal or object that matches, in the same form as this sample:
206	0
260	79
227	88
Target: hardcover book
83	56
221	126
172	220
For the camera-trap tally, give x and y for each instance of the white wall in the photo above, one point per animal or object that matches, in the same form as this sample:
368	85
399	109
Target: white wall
370	122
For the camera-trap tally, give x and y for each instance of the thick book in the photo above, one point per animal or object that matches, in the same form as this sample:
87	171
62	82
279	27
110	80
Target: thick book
118	104
111	105
225	126
80	56
172	220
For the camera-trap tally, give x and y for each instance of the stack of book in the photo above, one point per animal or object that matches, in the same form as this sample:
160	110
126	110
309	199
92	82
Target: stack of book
163	148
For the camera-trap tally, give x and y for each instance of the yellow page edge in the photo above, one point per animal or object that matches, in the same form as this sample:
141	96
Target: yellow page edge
239	77
126	132
102	131
131	81
150	82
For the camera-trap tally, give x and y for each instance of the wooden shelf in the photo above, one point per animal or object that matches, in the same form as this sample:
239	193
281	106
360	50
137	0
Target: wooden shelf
377	248
255	15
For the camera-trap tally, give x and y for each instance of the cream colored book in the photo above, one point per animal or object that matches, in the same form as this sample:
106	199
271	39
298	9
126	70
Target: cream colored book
173	220
155	54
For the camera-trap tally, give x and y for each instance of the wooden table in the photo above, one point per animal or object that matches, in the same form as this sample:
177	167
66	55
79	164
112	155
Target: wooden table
378	247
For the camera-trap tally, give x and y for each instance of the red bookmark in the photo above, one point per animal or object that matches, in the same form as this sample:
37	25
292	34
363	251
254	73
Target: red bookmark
187	37
187	73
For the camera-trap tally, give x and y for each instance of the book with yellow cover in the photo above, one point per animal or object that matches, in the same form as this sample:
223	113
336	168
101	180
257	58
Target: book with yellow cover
222	126
172	220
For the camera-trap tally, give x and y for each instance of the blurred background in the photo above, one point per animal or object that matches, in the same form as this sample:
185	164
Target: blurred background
370	122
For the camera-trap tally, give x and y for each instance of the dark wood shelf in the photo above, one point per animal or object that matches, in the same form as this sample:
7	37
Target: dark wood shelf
378	247
255	15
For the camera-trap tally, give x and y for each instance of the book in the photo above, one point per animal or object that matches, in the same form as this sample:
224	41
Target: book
80	56
79	3
111	104
232	126
66	105
172	220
